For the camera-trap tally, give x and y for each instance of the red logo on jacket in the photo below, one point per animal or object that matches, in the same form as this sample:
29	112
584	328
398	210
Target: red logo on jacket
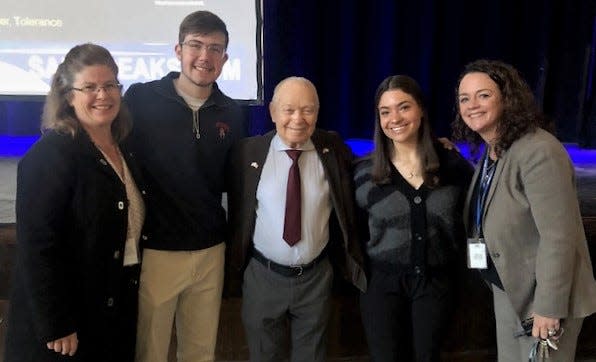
223	129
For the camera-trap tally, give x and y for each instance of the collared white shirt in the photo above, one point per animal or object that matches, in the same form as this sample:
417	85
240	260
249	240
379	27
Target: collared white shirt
271	205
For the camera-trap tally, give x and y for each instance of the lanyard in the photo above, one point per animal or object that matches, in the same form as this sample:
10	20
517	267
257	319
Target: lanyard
486	178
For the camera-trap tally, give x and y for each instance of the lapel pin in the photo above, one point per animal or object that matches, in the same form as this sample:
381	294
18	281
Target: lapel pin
325	150
254	164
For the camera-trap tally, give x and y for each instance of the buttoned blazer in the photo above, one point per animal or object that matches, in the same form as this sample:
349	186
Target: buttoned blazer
244	168
534	232
72	217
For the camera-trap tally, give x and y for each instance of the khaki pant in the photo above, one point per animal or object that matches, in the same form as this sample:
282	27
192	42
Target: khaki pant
185	285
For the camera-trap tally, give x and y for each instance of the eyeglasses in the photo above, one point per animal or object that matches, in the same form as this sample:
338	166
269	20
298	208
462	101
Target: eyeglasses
110	88
195	47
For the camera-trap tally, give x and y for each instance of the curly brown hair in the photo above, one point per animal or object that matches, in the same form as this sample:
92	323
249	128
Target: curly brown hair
520	115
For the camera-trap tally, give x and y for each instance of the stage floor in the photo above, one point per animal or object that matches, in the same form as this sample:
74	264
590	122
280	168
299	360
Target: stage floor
584	161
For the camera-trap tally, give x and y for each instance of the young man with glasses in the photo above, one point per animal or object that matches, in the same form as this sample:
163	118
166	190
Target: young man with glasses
183	128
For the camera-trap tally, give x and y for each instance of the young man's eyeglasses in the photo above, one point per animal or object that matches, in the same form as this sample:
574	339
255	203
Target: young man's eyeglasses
196	47
110	88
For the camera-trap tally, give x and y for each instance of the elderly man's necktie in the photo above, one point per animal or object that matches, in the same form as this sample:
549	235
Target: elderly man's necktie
293	221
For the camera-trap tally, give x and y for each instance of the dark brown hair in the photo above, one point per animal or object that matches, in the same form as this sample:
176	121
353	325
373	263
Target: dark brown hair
202	22
520	115
383	151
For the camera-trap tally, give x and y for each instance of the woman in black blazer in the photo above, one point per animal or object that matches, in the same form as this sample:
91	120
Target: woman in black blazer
79	219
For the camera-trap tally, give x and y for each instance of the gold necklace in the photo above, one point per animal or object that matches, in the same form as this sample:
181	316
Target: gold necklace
407	174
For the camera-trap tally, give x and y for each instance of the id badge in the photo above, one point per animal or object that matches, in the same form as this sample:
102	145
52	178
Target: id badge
477	258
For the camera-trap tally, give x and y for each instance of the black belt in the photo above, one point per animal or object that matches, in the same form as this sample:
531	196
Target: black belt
285	270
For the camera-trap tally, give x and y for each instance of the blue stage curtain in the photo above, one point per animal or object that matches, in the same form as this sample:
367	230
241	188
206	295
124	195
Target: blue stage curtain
347	47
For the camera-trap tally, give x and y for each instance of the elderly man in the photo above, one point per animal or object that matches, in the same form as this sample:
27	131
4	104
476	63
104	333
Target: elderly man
291	211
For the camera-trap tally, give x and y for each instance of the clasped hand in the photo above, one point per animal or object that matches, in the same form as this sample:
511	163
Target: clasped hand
542	325
65	345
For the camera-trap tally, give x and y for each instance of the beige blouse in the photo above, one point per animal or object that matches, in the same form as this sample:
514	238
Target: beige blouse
136	213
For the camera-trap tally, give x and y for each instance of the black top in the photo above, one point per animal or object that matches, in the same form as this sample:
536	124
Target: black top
184	174
417	231
490	273
72	215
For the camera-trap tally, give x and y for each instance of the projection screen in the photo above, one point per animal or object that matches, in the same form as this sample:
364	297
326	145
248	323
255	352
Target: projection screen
141	34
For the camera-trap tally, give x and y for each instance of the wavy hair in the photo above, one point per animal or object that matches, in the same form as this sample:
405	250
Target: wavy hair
520	115
58	114
384	149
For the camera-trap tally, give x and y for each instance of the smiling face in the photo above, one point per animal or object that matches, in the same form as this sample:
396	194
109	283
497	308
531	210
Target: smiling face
480	104
399	116
95	110
202	57
294	110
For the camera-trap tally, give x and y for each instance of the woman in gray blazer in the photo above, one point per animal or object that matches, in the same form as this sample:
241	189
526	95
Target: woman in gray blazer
525	233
